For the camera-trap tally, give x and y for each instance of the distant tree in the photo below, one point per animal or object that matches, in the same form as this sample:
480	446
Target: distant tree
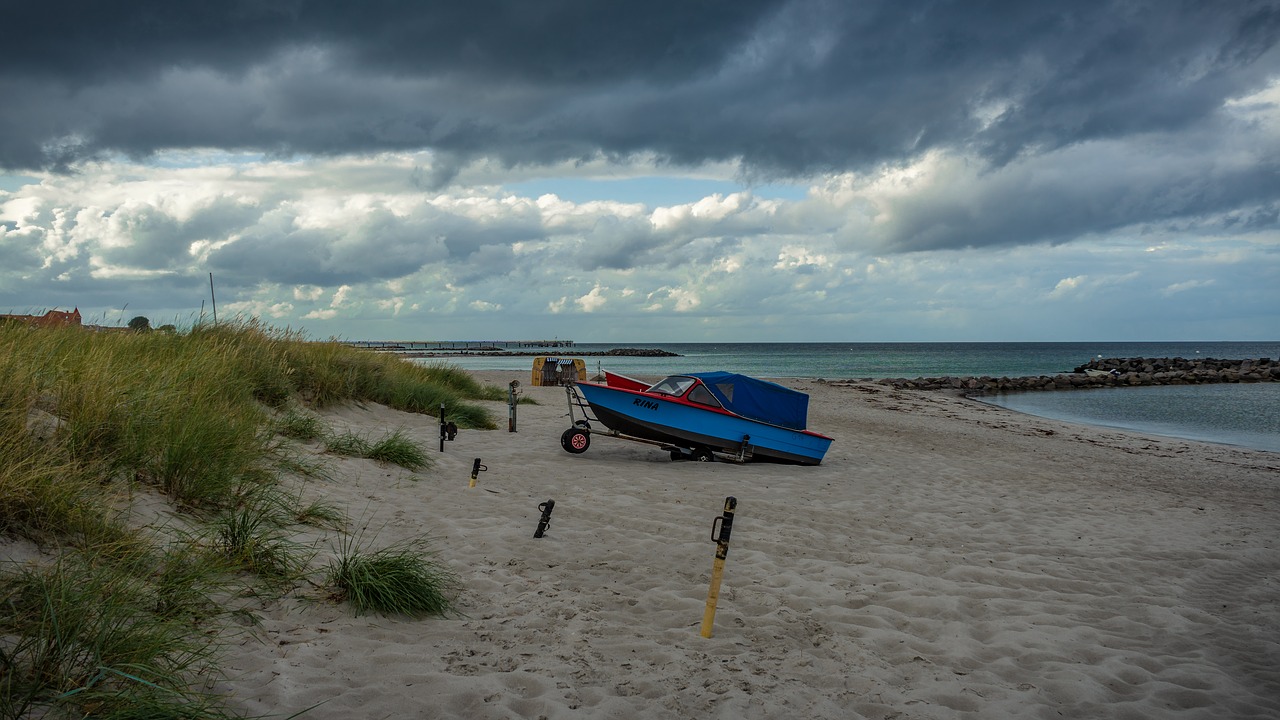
139	324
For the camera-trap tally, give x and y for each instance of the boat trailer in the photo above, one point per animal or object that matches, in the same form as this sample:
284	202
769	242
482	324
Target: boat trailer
577	438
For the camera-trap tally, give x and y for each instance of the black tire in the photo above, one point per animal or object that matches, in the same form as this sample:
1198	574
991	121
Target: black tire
575	440
702	454
677	455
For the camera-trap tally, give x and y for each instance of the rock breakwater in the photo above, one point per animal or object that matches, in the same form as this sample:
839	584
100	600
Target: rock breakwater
497	352
636	352
1109	372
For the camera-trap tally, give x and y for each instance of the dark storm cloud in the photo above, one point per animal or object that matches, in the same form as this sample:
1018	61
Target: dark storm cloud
18	254
1089	190
787	86
551	41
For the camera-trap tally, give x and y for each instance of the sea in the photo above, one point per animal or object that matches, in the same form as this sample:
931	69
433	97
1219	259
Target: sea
1236	414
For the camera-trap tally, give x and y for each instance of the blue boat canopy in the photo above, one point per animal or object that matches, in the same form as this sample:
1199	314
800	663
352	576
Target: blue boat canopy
758	399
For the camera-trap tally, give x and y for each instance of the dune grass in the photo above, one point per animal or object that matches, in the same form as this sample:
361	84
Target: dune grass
84	639
300	425
395	448
46	493
319	514
401	579
253	536
400	450
347	444
117	622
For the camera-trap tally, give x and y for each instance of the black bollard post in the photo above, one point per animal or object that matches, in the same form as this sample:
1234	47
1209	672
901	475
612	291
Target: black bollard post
545	521
476	469
443	428
511	405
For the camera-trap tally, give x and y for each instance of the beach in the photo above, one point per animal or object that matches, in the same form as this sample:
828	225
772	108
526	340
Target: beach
947	559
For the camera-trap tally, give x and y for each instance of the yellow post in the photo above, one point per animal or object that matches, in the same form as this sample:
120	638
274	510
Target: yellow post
720	530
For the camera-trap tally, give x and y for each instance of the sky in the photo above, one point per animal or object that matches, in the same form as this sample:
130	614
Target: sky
719	170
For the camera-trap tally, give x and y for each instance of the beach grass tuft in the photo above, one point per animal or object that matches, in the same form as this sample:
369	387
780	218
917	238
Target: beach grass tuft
348	444
402	579
320	514
291	461
395	448
301	425
400	450
253	536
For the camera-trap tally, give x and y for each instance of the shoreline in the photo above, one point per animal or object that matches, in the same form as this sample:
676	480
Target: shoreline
1214	419
1099	425
947	558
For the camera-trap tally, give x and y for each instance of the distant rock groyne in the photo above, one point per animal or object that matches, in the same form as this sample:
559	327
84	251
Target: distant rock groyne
496	352
1109	372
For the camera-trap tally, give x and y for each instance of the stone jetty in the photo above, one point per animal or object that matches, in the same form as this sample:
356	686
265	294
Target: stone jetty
498	352
1109	372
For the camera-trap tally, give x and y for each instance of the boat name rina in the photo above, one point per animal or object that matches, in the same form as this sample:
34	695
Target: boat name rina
648	404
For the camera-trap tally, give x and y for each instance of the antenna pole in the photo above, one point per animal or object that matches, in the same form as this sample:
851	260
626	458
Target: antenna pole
214	299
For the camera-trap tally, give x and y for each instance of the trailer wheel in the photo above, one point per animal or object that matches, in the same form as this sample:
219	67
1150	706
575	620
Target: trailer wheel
702	454
575	440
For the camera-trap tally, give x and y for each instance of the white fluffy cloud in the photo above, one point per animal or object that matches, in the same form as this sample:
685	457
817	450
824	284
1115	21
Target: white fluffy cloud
351	247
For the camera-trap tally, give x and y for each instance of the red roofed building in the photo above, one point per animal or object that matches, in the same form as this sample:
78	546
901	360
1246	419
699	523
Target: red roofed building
53	318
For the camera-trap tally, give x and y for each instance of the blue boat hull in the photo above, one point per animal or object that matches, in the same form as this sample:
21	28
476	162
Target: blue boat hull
651	417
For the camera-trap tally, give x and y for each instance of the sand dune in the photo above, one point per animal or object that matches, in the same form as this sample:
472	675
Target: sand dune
948	559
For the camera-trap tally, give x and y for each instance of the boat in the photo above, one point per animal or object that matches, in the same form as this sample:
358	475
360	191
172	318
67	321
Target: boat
697	415
613	379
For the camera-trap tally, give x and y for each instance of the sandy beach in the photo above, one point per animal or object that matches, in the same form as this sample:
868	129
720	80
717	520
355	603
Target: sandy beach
948	559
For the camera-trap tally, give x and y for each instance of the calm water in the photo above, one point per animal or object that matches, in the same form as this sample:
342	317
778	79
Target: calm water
877	360
1236	414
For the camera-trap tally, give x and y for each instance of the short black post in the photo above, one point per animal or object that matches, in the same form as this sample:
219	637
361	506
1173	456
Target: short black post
476	469
545	521
511	405
443	429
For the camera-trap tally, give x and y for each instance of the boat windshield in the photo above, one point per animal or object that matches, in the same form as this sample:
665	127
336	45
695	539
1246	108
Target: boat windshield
675	385
703	396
